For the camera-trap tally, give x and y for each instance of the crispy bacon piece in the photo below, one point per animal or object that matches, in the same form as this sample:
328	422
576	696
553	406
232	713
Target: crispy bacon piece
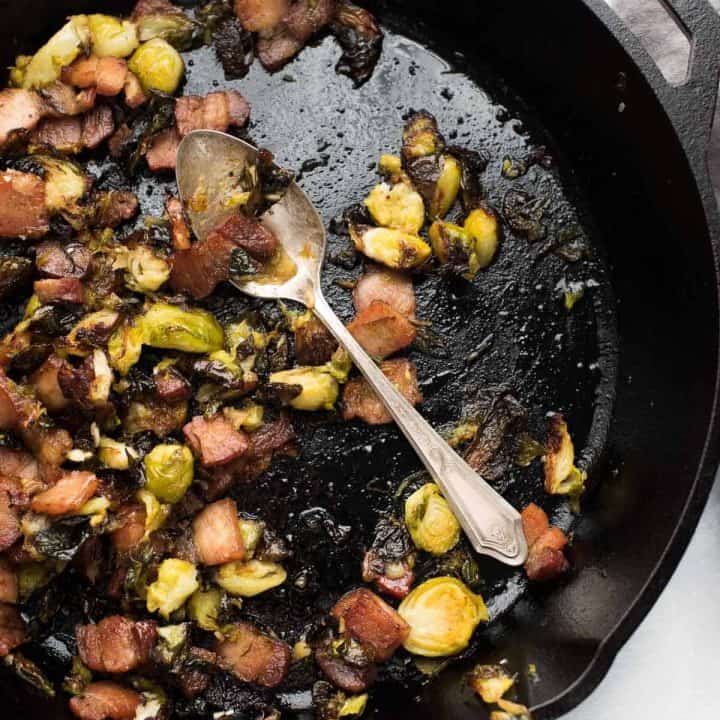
381	330
171	386
359	400
59	290
116	644
8	583
22	205
250	235
254	657
162	153
105	701
55	260
61	99
12	629
131	527
97	126
391	287
47	387
353	679
216	111
258	15
114	207
275	48
217	535
372	622
9	523
178	224
546	543
19	110
107	74
314	344
135	96
62	133
68	495
215	440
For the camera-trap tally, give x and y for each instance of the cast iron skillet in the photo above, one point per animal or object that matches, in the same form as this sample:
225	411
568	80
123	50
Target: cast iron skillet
635	185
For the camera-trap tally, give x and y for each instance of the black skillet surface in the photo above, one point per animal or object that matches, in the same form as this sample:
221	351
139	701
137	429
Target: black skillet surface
508	327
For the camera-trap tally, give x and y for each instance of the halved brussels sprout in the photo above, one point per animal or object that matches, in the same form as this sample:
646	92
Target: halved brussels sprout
319	389
65	184
111	36
447	187
174	27
204	608
125	345
249	417
146	271
171	328
430	521
158	66
421	137
398	206
490	682
155	513
252	532
443	614
115	455
91	331
510	711
177	580
454	245
394	248
248	579
60	50
483	226
561	475
169	471
173	640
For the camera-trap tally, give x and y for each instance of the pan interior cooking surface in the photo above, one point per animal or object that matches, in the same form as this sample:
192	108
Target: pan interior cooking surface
510	328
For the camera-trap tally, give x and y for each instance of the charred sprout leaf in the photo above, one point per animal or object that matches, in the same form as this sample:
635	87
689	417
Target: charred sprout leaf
528	450
443	614
391	541
173	26
472	166
158	66
431	343
490	682
62	540
561	475
430	521
15	274
29	672
361	40
524	214
234	47
461	564
111	36
241	263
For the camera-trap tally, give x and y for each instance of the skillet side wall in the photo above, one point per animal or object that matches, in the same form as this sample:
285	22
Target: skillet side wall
563	61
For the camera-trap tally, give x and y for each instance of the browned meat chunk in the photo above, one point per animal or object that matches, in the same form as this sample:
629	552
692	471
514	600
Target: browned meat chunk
381	330
62	133
305	18
8	583
275	48
171	386
61	99
389	286
12	629
107	74
162	154
353	679
258	15
59	290
47	387
131	527
152	7
215	441
360	38
19	110
178	224
397	586
215	111
135	96
114	207
545	545
314	344
254	657
372	622
217	535
250	235
115	644
97	126
105	701
55	260
359	401
9	523
22	205
68	495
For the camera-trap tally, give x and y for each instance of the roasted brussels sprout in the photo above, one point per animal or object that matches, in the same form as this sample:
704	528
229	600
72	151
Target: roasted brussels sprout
125	345
443	614
447	187
394	248
171	328
398	207
482	225
561	475
251	578
146	272
91	331
175	28
454	246
490	682
169	471
319	389
430	521
177	580
204	608
45	66
111	36
65	184
158	66
421	138
115	455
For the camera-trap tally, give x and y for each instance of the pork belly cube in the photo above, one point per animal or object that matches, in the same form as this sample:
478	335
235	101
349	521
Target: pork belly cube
215	440
116	644
381	330
216	534
106	701
69	494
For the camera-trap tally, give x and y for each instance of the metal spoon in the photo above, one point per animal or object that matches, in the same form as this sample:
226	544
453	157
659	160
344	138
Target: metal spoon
208	163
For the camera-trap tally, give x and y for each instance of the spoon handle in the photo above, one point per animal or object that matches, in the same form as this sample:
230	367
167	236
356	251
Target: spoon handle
492	525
